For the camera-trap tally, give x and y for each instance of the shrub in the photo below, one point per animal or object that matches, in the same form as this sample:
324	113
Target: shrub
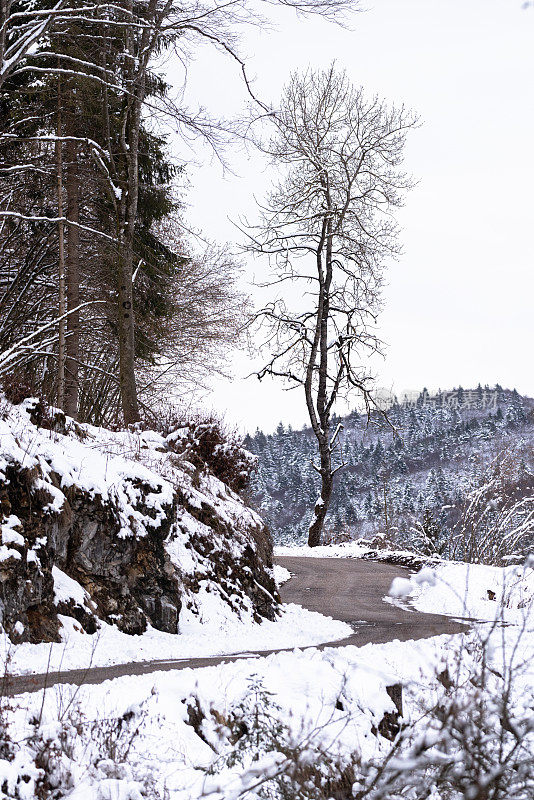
496	522
208	446
16	389
259	757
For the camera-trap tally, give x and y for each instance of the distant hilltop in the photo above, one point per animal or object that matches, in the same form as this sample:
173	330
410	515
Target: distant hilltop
480	398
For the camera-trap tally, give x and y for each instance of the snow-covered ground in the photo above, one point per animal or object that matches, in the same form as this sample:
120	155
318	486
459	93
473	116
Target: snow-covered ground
178	726
304	688
222	635
173	734
346	550
477	591
356	549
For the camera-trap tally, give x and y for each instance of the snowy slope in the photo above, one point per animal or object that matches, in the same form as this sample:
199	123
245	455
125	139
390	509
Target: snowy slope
116	548
322	708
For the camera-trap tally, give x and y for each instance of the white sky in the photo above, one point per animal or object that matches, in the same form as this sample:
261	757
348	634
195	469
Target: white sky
459	304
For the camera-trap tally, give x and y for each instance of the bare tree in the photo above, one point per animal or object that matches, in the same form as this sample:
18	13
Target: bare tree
208	319
327	228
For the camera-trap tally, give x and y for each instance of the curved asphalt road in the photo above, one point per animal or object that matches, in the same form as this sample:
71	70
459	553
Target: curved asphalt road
347	589
352	590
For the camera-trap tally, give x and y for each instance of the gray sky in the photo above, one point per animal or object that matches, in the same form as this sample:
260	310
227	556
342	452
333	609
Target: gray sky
459	304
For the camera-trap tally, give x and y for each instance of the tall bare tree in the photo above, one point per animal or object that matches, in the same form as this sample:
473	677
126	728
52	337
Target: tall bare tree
327	228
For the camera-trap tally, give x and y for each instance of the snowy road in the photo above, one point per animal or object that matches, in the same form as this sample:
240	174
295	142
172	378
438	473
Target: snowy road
347	589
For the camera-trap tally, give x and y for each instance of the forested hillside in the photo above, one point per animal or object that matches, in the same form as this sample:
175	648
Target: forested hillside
408	475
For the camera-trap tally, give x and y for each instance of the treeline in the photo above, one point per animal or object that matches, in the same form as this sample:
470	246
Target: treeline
391	481
104	302
102	299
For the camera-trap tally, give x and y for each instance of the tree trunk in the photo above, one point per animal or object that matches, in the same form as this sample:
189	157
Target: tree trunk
128	217
72	344
323	413
138	51
128	384
321	506
61	266
62	305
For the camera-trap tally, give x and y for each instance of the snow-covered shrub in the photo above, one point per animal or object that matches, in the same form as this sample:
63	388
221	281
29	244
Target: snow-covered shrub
262	758
208	446
473	738
71	755
427	537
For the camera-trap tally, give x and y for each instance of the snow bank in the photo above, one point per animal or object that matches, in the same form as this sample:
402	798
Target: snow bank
217	632
471	590
281	574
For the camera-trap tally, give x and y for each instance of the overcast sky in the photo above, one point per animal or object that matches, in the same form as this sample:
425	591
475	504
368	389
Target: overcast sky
459	303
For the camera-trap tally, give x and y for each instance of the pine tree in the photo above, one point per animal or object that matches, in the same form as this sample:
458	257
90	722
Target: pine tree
428	535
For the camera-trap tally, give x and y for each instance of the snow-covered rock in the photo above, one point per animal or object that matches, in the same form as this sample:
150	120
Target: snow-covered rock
118	527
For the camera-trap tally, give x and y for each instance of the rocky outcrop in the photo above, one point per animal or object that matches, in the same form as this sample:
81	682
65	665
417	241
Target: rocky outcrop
91	533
